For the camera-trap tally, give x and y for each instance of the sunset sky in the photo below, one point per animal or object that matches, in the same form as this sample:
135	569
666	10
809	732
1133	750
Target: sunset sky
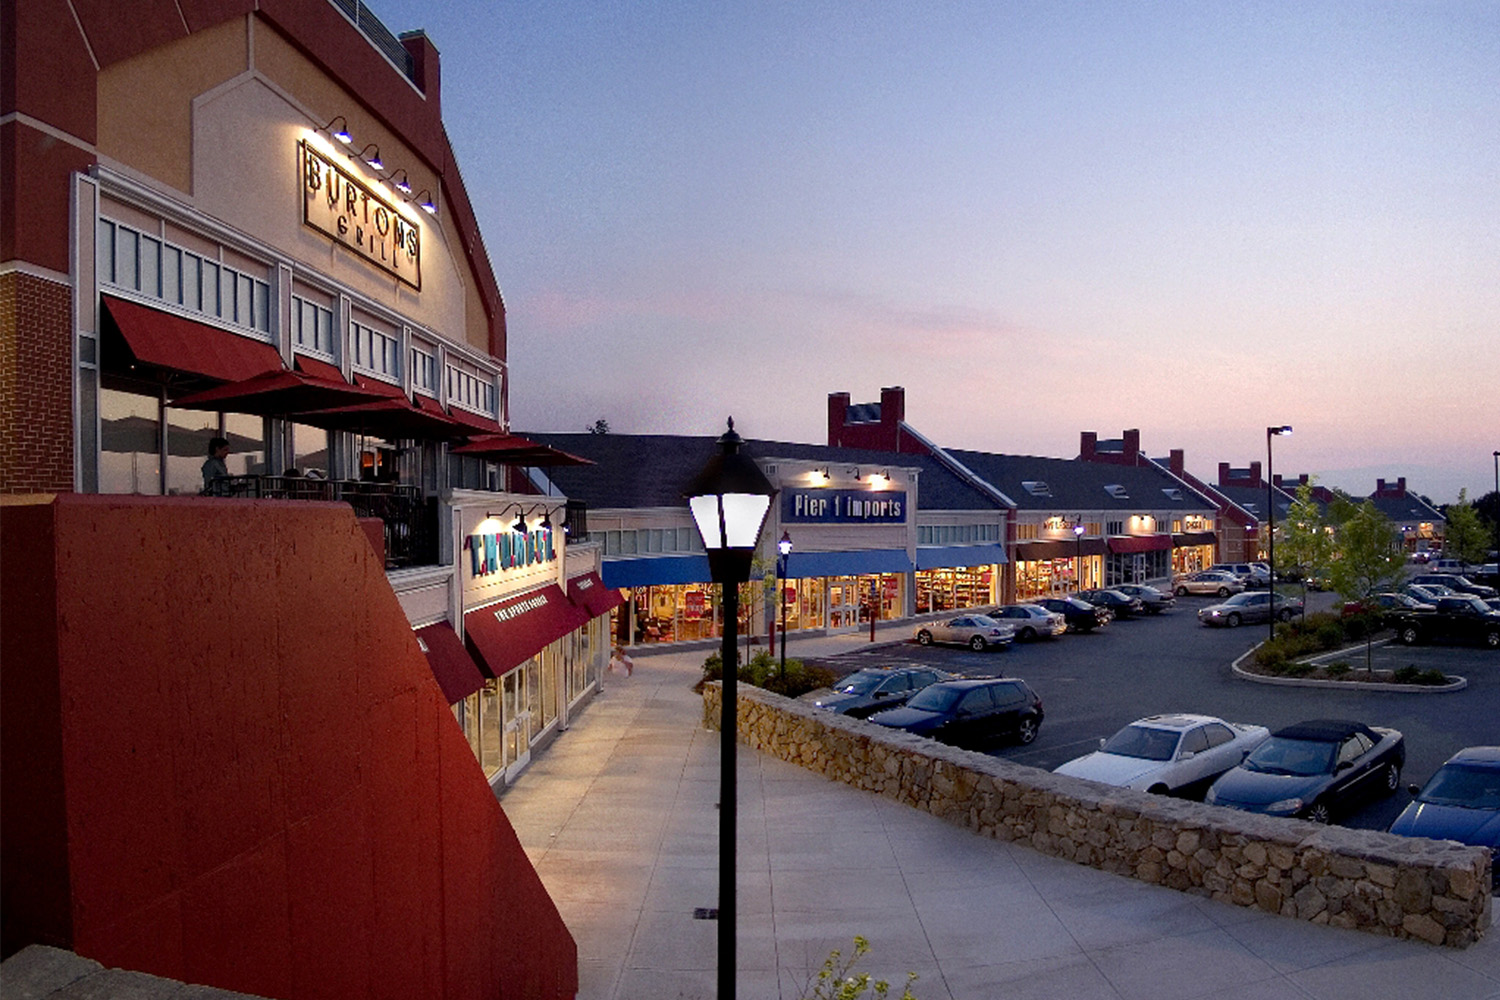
1195	219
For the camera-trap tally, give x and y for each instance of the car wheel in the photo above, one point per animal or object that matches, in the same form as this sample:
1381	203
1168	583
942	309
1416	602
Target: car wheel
1319	812
924	638
1027	634
1026	732
1492	640
1284	616
1392	779
1181	591
1233	621
1408	635
977	644
1223	591
1157	789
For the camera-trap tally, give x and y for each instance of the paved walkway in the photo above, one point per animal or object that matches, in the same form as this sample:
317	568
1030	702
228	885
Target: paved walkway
619	816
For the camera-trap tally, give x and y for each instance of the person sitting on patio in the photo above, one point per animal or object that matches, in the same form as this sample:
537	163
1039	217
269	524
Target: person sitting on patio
213	465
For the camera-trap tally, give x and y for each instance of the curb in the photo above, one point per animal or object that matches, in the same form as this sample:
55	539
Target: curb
1456	683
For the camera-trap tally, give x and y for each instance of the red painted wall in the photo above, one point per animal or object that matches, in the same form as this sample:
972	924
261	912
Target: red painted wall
257	781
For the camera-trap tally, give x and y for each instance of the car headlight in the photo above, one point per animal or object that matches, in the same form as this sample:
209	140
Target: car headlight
1285	806
1211	796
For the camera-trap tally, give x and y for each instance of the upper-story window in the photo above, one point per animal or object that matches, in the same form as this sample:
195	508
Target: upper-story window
424	377
375	352
471	389
312	327
140	262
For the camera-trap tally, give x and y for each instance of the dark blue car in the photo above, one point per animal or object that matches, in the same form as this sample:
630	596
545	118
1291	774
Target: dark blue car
969	712
1460	802
1313	770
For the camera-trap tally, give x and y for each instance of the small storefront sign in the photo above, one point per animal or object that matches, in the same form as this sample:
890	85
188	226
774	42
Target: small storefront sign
693	604
842	507
493	552
342	207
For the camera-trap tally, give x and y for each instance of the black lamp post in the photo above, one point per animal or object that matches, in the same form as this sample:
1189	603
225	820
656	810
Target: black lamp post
785	548
1272	432
729	501
1078	559
1497	498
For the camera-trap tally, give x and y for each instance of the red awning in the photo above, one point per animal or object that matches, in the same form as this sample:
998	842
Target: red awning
477	424
391	417
320	369
1139	543
377	385
276	392
590	593
1057	549
505	635
513	449
456	672
167	341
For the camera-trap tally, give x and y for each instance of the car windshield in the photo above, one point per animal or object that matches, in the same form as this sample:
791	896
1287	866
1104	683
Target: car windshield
936	698
860	683
1466	785
984	621
1143	742
1279	755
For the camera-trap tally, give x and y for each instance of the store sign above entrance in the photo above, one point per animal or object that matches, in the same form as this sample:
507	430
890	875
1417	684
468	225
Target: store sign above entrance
496	551
842	507
352	214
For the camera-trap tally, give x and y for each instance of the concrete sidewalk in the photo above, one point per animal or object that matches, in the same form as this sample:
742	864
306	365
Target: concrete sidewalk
619	815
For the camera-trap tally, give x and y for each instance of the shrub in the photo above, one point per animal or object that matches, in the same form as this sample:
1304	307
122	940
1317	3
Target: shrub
1432	677
1297	669
764	671
1338	669
1408	674
1330	635
837	980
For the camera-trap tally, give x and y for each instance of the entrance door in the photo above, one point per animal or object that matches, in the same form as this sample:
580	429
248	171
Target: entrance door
843	604
516	734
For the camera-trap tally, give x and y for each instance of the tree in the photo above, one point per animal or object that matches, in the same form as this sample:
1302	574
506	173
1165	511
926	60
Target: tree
1465	536
1369	557
600	426
1307	540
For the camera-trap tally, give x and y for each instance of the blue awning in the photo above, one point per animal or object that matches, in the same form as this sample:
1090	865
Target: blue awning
801	565
653	572
944	556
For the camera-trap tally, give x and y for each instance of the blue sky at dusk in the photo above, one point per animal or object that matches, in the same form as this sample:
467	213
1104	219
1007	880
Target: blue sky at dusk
1040	218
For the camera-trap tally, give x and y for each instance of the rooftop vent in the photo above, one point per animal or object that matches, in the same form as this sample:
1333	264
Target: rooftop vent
1117	491
1252	508
1172	492
1037	488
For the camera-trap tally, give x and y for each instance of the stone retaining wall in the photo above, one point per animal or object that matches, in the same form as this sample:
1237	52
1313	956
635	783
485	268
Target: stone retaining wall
1435	891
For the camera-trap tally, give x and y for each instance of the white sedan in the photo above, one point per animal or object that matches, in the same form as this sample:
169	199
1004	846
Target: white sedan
1169	754
978	632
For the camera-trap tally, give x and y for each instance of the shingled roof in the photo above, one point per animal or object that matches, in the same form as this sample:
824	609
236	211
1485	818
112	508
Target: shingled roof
1051	484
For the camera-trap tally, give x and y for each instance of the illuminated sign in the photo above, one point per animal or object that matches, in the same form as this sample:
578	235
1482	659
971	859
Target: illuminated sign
342	207
495	551
842	507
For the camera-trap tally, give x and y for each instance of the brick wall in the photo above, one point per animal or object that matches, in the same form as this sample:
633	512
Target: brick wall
36	384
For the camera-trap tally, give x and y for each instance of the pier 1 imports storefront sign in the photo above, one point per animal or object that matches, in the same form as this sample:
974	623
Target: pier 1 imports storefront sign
342	207
842	507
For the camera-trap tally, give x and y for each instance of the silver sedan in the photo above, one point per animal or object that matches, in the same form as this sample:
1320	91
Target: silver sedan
978	632
1248	608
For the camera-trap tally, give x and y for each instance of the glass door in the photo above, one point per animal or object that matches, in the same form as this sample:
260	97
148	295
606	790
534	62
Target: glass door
516	732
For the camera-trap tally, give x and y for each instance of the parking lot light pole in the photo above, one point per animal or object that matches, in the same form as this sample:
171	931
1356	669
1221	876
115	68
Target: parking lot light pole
1078	558
1272	432
729	500
785	548
1497	498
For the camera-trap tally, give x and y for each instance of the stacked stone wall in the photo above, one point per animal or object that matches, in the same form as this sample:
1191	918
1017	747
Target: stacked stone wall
1434	891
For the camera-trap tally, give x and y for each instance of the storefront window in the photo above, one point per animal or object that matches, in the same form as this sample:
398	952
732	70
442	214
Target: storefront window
1191	558
310	450
1044	577
950	589
188	434
487	726
1137	567
130	443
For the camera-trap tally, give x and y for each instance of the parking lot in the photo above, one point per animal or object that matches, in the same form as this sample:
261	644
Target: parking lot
1094	683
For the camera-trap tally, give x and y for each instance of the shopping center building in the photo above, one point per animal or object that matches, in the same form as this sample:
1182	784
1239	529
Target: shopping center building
237	233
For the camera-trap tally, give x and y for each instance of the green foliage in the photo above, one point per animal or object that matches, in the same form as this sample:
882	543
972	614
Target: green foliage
1411	674
837	980
1465	536
1338	668
764	671
1298	669
1306	539
1369	554
1308	636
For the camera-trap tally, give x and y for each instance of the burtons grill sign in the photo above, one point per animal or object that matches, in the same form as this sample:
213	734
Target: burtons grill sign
342	207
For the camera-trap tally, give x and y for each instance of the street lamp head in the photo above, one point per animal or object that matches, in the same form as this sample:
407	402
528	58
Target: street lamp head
785	545
729	500
1281	431
1078	530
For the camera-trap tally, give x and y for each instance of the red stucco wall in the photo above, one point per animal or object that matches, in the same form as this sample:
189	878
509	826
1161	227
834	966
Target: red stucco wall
263	788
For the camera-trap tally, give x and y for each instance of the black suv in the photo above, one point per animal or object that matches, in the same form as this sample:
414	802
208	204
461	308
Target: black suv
1464	618
969	712
1081	616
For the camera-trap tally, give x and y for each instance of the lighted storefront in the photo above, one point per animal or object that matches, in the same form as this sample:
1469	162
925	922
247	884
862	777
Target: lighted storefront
954	588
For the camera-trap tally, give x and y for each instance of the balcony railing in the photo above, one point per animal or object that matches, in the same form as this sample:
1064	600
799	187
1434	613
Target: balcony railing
379	35
410	519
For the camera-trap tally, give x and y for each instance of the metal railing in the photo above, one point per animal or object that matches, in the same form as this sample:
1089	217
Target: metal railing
410	519
379	35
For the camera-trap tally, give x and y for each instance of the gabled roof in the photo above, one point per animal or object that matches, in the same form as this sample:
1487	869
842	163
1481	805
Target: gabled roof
1073	484
1253	499
1408	508
632	471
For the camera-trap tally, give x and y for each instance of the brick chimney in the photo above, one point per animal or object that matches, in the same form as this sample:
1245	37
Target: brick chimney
1088	444
892	407
838	413
1391	491
1176	463
1131	446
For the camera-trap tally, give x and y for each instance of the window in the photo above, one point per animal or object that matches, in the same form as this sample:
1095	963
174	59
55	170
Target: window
1218	735
142	263
373	351
1117	491
1114	527
312	327
471	390
424	371
977	701
1037	488
1195	740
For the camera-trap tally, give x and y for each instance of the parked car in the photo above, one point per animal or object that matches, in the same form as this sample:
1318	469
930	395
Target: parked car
1454	581
1122	605
1313	770
865	692
1207	581
1427	593
1079	616
1488	573
1387	606
1168	754
1250	574
978	632
1247	609
1031	621
969	712
1460	618
1460	802
1153	600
